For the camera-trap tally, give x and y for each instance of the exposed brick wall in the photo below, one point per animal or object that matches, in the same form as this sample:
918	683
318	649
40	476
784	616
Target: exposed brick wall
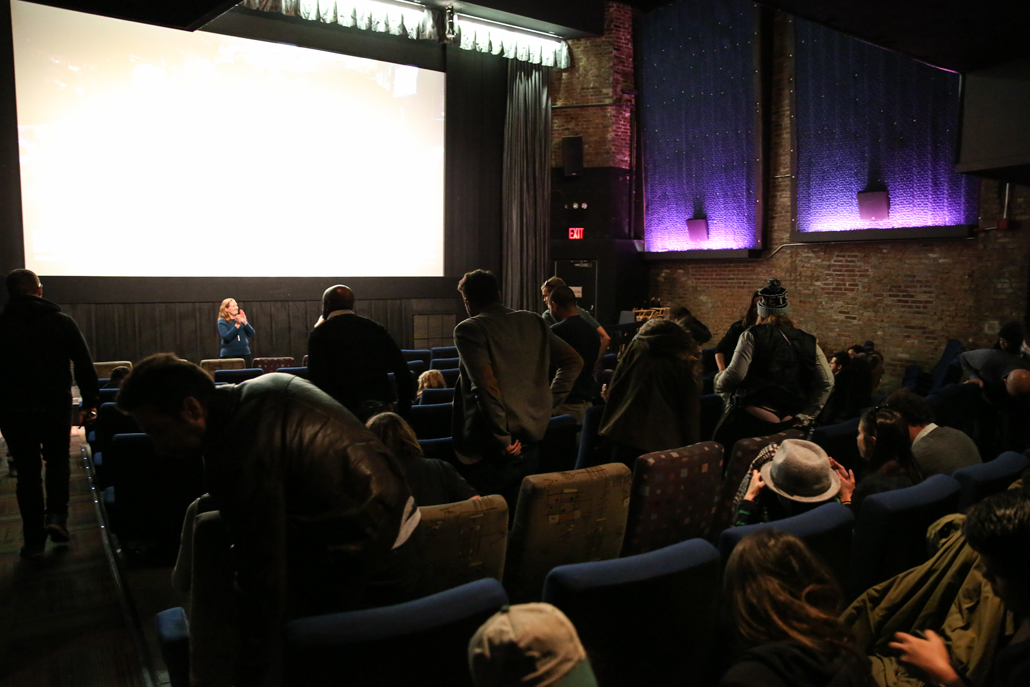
907	296
588	98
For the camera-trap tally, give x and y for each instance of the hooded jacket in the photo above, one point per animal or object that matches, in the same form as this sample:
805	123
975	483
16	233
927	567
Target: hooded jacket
37	341
791	664
313	501
654	399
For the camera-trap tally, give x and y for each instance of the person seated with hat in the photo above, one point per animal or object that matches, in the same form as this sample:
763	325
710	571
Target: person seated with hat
529	644
786	479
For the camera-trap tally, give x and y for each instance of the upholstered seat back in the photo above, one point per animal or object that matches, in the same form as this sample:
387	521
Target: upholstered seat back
464	542
562	518
674	496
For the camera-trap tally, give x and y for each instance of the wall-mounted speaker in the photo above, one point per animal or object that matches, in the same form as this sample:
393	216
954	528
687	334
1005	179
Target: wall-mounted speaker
874	205
572	155
697	229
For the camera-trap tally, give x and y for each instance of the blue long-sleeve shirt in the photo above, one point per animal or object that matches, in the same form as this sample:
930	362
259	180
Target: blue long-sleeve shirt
235	340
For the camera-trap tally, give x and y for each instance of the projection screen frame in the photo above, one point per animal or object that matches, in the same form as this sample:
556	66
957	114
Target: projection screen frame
242	23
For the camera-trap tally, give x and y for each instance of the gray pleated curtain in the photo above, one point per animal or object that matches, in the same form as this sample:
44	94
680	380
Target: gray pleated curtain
526	184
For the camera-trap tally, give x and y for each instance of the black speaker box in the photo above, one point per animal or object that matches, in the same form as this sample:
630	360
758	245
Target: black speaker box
572	155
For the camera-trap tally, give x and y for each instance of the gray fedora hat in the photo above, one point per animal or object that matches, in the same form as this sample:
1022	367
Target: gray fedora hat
801	471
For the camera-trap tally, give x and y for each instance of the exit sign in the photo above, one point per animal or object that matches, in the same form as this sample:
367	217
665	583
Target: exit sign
575	232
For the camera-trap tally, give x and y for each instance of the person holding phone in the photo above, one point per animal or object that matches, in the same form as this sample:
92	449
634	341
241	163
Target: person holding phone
235	331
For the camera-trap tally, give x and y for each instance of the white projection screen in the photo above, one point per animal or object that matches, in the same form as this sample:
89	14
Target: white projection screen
152	152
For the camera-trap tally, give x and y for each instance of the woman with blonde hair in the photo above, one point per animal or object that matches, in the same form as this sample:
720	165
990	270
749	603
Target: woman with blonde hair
430	379
234	331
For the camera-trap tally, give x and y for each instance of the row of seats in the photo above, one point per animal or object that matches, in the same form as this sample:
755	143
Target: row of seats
623	607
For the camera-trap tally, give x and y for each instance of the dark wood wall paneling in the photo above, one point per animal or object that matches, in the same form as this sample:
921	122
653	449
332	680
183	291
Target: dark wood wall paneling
132	331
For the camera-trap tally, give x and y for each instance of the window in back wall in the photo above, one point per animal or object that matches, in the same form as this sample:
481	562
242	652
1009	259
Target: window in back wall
870	119
701	124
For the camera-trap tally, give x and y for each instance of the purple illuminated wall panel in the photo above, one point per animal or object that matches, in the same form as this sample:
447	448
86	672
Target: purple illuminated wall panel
870	119
700	121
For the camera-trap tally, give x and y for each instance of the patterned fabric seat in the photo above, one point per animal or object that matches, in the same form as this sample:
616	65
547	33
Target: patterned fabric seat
212	365
273	364
464	542
565	517
744	453
104	369
674	496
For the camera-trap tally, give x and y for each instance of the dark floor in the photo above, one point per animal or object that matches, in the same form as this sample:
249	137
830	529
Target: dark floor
65	618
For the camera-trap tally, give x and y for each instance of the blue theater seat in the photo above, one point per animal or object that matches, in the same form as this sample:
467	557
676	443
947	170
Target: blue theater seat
444	352
431	421
980	481
826	529
444	363
645	619
422	642
840	442
237	376
431	396
450	377
890	530
423	355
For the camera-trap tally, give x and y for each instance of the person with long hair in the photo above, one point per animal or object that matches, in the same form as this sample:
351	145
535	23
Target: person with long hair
728	343
782	603
235	331
654	399
431	481
885	445
778	377
430	379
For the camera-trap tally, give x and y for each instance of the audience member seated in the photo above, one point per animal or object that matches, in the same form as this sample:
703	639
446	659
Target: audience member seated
318	511
998	529
885	446
430	379
728	343
431	481
654	399
684	318
791	478
571	328
526	645
852	388
937	450
1010	338
778	378
117	375
783	605
1004	377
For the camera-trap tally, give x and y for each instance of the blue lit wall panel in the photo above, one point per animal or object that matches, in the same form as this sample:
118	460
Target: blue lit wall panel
700	123
868	118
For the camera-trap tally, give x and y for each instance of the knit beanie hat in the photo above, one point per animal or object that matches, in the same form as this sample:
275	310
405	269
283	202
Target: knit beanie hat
773	300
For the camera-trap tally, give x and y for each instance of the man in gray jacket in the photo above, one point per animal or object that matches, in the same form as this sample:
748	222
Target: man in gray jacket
505	395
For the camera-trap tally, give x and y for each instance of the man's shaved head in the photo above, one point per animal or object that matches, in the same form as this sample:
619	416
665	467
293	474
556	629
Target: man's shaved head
337	297
1018	383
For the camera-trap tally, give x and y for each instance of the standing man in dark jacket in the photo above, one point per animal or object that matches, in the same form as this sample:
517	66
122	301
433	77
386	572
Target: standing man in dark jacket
350	358
37	341
318	511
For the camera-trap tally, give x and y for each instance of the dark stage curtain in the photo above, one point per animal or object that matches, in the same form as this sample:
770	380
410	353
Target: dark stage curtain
526	198
476	99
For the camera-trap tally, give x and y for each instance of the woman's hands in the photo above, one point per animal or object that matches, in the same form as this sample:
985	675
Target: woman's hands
241	318
755	486
929	656
847	481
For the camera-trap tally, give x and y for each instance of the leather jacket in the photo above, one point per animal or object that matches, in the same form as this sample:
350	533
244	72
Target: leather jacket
312	500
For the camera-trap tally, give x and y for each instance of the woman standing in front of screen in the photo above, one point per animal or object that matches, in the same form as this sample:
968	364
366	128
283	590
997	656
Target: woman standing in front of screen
235	331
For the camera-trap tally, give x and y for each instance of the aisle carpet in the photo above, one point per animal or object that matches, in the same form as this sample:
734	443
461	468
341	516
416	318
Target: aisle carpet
61	618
